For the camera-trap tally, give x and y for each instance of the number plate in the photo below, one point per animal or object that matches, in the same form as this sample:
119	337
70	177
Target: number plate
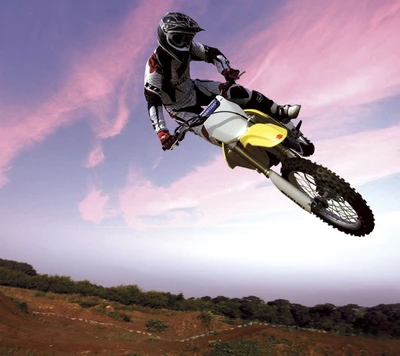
210	108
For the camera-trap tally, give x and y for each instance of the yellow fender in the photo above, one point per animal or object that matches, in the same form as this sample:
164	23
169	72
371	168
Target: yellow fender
257	112
264	135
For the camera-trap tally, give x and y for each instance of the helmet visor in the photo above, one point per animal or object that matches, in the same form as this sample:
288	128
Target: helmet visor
180	41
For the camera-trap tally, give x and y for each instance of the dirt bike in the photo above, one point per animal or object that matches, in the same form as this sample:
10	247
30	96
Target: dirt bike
253	140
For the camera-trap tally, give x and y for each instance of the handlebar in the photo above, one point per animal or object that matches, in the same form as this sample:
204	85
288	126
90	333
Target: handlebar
181	130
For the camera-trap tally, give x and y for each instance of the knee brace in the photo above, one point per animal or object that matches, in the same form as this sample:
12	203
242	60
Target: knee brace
259	102
238	92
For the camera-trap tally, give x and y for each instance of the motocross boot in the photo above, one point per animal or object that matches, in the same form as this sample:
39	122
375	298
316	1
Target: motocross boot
285	113
282	113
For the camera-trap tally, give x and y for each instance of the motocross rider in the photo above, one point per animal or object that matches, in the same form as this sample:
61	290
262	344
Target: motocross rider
167	81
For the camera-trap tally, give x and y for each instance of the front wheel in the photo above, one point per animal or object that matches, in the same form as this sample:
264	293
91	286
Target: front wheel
335	201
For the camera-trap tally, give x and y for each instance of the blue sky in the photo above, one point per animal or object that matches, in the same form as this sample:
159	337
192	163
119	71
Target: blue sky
86	191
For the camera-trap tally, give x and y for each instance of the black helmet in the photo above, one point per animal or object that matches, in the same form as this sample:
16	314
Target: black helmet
175	34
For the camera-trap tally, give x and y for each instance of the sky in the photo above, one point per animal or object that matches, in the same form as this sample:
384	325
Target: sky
87	192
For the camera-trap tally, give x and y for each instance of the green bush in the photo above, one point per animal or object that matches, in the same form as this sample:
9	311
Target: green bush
192	348
13	278
125	317
155	300
378	321
156	325
236	348
23	306
88	303
40	295
114	314
18	266
206	317
230	321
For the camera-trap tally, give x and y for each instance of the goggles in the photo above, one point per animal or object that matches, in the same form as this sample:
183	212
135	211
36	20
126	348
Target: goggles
180	41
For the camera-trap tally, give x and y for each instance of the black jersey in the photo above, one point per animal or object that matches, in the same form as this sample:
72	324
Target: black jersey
167	81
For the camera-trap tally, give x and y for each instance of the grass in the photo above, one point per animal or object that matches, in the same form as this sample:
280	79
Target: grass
113	314
236	348
84	302
40	295
23	306
119	336
191	348
9	350
156	325
230	322
16	351
88	303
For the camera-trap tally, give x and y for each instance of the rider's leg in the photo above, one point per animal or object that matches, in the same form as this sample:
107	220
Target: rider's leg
252	99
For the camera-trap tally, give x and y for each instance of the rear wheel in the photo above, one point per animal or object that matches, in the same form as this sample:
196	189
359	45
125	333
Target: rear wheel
336	202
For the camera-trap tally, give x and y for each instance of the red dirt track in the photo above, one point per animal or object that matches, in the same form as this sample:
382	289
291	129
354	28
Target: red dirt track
54	326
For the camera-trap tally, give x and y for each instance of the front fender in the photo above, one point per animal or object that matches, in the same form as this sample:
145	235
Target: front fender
264	135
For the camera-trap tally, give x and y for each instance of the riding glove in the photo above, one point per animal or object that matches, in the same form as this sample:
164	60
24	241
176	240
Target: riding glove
231	74
167	140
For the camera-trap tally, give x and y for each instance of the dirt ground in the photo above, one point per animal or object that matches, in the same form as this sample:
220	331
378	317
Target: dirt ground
56	326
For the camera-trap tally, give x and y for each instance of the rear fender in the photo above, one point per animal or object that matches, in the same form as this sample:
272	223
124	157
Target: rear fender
263	135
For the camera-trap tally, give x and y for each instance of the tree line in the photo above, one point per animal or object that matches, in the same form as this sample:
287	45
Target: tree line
379	321
18	266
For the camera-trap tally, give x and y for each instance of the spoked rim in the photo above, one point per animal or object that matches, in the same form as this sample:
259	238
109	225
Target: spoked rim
328	203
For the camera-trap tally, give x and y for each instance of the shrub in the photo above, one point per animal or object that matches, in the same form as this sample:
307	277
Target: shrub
114	314
236	348
155	300
18	266
125	317
23	306
155	325
40	295
206	317
88	303
192	348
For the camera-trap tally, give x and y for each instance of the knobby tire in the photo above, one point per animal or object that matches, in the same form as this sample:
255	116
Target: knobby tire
293	171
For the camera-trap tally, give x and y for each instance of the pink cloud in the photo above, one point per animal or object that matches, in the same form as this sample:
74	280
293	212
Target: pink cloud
362	157
93	207
96	156
196	199
214	195
24	133
321	55
98	82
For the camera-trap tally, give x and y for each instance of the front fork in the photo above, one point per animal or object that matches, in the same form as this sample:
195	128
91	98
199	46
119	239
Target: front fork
283	185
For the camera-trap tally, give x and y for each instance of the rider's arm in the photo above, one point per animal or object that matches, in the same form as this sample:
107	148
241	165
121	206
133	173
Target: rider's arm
210	55
152	92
